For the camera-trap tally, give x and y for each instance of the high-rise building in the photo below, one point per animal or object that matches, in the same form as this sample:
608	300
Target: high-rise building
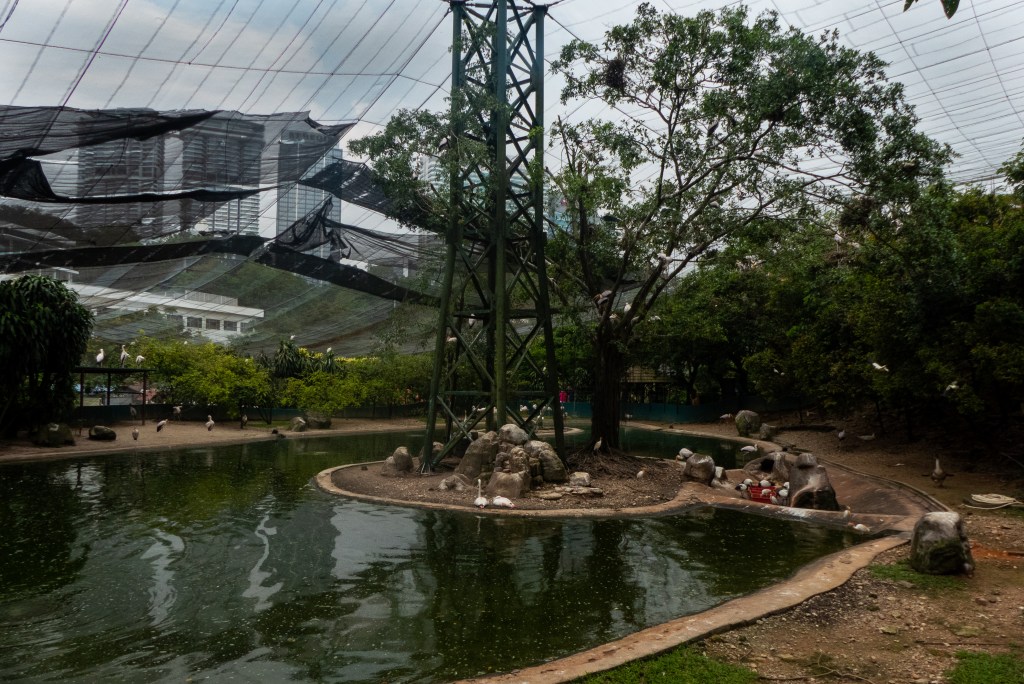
295	200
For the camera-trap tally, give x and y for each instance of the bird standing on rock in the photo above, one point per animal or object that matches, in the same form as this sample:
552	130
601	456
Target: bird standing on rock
938	475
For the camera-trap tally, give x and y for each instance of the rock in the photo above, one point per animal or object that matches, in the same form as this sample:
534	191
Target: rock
455	483
747	423
53	435
479	456
551	467
549	496
317	420
580	491
298	424
579	479
102	433
398	463
767	432
939	545
699	468
513	434
510	485
809	486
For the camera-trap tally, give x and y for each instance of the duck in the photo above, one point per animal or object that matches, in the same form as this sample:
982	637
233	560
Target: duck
480	501
502	502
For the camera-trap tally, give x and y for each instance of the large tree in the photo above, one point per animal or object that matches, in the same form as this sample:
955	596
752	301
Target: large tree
43	333
728	121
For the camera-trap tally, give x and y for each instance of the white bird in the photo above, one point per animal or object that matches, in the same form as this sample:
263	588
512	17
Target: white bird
938	475
502	502
725	416
100	357
765	483
328	350
124	356
176	412
783	493
862	528
132	412
291	338
640	475
750	448
748	482
598	444
135	434
742	487
879	367
626	308
139	359
243	420
841	435
719	473
160	425
480	501
209	423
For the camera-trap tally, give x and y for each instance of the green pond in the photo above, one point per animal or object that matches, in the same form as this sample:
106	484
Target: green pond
226	564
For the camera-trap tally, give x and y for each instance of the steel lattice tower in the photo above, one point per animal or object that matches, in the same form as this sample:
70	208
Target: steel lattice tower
494	301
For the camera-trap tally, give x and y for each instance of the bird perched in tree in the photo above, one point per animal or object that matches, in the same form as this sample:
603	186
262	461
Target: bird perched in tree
135	434
160	425
209	423
139	359
502	502
480	501
938	474
124	356
100	357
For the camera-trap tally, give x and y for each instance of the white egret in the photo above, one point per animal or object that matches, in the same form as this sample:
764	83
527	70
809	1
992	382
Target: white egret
480	501
139	359
124	356
100	357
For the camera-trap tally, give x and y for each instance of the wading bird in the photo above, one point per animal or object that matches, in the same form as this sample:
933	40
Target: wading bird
135	434
480	501
938	475
124	356
160	425
209	423
139	359
100	357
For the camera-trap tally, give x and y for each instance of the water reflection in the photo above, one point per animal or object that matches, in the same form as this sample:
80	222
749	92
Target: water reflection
230	565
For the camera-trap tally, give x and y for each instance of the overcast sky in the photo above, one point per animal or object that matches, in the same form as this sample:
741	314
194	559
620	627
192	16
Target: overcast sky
350	60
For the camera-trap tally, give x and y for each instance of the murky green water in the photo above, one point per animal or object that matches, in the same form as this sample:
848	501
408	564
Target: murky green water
227	565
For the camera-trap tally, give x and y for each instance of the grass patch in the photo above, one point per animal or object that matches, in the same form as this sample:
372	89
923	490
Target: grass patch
684	665
986	668
903	572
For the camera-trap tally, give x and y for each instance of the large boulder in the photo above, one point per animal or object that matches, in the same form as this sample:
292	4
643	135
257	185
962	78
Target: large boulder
939	545
579	479
747	423
53	435
699	468
509	485
809	486
479	456
398	463
551	467
102	433
513	434
317	420
455	483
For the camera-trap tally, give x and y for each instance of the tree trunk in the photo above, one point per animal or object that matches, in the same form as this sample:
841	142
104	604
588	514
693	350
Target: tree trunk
605	404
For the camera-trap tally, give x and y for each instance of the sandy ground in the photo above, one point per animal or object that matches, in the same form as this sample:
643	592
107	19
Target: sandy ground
868	630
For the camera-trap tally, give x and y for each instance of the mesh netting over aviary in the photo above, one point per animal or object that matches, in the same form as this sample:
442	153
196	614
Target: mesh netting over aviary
217	223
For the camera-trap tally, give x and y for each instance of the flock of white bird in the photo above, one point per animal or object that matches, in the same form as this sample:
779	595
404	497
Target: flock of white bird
123	358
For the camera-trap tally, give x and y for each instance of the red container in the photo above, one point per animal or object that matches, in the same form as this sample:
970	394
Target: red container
762	494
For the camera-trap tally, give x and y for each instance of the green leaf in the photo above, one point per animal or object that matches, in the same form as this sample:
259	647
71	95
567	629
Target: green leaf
949	7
